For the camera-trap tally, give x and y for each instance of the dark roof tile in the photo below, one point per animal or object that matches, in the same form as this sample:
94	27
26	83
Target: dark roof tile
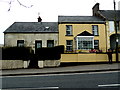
81	19
110	14
32	27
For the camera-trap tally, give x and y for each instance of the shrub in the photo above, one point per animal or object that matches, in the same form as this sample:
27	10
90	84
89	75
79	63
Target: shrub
53	53
16	53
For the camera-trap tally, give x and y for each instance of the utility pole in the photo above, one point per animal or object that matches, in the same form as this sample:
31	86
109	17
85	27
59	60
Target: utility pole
116	34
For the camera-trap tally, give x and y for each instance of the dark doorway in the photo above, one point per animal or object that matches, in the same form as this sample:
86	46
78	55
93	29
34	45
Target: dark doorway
34	59
113	41
38	44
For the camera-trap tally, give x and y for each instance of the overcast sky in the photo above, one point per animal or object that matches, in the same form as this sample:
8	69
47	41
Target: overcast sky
47	9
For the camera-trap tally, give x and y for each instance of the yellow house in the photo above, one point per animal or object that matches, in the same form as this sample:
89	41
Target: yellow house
82	33
109	16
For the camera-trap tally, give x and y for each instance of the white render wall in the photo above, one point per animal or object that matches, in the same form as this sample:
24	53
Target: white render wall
29	38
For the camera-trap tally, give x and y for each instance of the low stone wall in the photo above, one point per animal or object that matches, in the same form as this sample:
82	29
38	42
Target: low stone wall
51	63
17	64
11	64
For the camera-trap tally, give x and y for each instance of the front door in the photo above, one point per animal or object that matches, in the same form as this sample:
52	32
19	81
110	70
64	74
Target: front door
38	44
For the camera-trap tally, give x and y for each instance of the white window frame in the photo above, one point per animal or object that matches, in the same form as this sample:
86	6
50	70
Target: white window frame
111	26
85	37
94	30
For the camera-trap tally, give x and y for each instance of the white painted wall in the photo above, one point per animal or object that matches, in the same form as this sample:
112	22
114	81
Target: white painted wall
29	39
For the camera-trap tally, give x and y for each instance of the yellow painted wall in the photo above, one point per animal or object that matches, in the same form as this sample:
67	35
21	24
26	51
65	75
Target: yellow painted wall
92	57
79	28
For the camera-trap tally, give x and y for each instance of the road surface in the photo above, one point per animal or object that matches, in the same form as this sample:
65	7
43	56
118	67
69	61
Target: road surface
108	79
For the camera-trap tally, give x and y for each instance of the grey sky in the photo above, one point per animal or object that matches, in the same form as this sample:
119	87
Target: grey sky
48	9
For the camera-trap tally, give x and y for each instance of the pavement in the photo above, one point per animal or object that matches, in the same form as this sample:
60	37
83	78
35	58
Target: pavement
64	69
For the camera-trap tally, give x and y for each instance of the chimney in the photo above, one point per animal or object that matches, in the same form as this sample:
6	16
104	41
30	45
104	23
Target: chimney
95	9
39	19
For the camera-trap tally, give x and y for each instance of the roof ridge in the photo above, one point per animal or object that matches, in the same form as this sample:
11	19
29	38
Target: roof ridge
76	16
30	27
108	10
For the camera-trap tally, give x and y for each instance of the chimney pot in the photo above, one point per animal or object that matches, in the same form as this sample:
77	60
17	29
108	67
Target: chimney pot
39	19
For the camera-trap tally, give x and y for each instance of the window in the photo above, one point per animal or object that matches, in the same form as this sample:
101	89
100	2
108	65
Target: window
50	43
69	45
38	44
111	26
95	30
118	27
96	44
85	42
20	43
68	30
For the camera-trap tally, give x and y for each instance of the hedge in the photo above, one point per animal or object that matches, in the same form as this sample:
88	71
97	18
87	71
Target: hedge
16	53
53	53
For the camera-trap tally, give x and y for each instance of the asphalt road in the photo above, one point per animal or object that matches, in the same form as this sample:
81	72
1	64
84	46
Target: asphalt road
110	79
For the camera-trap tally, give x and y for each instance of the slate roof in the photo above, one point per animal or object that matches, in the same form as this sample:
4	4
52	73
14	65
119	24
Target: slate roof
80	19
33	27
110	14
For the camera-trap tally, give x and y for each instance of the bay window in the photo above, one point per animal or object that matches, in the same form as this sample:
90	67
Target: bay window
85	42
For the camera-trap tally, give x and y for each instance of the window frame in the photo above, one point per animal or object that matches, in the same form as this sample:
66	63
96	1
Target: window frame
20	43
94	31
70	46
96	45
36	42
48	42
118	26
70	30
111	26
90	38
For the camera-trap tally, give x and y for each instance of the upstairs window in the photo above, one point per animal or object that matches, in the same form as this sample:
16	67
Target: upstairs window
50	43
68	30
111	26
20	43
95	30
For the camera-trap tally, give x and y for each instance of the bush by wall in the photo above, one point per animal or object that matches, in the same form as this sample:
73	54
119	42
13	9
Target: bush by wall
53	53
25	53
16	53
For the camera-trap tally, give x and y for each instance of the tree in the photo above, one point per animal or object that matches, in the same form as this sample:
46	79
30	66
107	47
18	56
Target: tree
11	1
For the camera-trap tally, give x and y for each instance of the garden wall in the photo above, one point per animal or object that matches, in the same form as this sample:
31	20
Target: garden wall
18	64
11	64
86	57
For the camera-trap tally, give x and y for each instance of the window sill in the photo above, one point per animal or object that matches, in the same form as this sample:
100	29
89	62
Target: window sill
96	35
68	35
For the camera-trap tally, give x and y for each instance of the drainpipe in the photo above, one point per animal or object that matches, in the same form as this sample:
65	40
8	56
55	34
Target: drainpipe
116	34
